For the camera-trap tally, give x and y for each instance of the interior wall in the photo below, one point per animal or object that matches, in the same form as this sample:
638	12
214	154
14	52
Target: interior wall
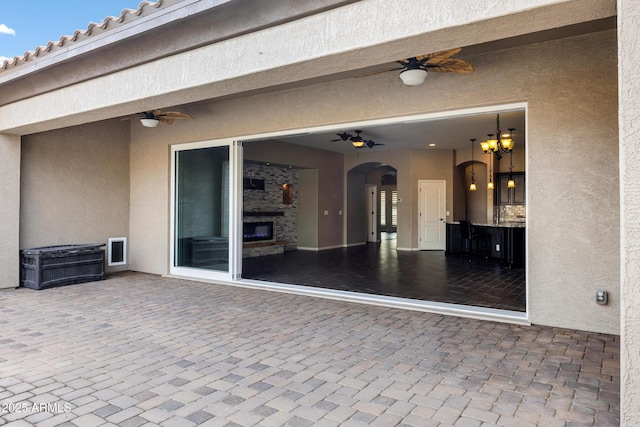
401	161
330	176
356	207
475	201
429	165
308	209
74	186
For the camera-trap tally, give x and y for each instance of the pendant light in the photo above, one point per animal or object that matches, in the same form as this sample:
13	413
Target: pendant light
490	183
511	183
472	187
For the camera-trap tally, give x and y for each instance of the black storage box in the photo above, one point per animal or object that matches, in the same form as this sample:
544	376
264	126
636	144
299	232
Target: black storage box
51	266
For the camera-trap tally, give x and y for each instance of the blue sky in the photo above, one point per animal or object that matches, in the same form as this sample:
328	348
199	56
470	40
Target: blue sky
27	24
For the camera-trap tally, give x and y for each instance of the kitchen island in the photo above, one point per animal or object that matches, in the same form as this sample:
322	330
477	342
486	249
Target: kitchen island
506	242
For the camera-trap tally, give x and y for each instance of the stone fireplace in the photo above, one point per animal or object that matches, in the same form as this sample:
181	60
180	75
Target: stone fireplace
269	221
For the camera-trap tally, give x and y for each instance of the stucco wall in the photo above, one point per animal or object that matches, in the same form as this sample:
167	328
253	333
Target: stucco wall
573	189
75	186
9	210
629	76
572	105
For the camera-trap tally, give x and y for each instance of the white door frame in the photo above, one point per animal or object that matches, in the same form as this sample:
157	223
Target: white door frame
432	219
371	206
234	215
427	306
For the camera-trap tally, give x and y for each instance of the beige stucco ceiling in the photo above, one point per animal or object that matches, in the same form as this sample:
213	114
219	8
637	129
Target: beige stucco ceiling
333	45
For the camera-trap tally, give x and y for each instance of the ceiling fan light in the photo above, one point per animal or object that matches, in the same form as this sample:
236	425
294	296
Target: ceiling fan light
413	77
149	123
358	144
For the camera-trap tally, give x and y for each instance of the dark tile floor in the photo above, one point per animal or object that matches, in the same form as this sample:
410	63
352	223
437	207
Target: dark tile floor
381	270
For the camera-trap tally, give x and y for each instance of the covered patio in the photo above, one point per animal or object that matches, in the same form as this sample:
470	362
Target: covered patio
140	348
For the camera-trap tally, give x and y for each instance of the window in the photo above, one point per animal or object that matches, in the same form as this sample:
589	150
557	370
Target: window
383	208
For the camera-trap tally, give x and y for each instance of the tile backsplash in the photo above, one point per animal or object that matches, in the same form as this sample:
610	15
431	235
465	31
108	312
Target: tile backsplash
512	213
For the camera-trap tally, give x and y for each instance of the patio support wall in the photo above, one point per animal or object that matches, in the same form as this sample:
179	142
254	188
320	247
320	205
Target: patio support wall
629	111
9	210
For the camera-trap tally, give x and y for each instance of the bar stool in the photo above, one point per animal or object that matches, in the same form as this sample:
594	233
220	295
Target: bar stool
468	236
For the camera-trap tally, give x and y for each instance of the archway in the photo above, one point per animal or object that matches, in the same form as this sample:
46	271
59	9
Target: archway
370	175
475	203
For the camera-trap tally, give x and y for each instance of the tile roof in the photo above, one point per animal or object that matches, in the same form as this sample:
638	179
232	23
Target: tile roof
94	29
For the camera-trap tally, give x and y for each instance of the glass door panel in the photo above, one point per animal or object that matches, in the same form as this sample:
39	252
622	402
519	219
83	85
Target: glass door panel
202	203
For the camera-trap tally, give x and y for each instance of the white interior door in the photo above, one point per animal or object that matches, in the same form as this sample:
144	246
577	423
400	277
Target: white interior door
432	206
371	197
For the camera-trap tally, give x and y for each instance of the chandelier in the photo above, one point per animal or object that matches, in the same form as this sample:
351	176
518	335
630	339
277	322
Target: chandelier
502	144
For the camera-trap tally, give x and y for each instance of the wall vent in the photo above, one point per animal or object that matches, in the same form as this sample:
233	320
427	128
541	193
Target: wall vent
117	250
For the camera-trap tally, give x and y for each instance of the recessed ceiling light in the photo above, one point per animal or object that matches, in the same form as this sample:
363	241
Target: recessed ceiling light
432	145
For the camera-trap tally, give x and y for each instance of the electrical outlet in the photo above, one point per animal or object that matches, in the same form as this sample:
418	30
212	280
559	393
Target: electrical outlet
602	297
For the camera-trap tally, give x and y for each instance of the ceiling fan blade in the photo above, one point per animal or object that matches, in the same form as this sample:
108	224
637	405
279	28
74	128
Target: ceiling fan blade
343	137
372	144
451	66
438	56
165	120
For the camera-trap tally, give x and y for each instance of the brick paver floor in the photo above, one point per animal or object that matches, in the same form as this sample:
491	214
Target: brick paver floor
138	349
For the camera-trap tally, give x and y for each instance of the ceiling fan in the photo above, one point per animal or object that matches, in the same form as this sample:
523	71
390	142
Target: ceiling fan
356	140
415	69
152	118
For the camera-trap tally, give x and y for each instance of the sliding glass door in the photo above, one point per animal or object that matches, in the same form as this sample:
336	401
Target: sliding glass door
203	243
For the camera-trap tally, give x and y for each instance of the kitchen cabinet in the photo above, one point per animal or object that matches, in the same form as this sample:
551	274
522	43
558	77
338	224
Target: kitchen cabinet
510	196
507	242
